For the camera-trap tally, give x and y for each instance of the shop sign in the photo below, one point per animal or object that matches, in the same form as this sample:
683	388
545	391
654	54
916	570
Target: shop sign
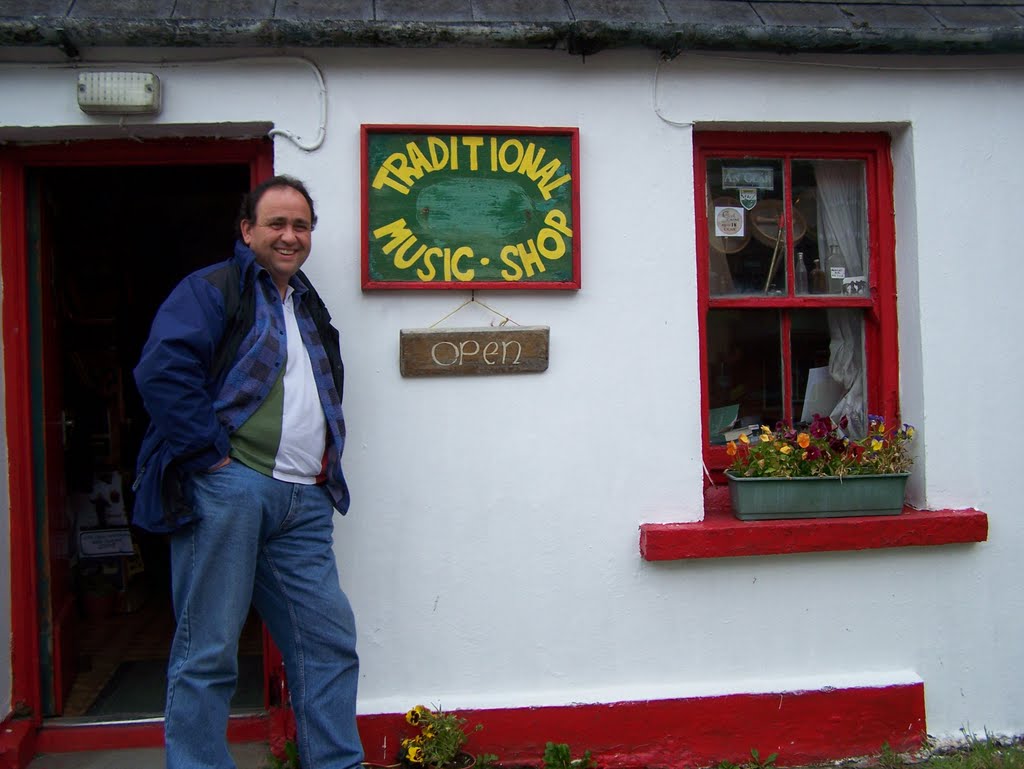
463	351
470	207
756	177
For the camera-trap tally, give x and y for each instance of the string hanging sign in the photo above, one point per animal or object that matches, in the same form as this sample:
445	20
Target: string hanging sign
487	350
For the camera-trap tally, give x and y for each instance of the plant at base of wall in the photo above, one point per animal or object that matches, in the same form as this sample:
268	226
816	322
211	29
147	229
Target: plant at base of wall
290	760
755	762
440	740
821	450
558	756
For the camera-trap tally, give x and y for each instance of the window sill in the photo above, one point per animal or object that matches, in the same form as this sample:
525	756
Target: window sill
721	535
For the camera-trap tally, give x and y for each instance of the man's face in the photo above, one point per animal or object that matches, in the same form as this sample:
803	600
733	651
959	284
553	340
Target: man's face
280	236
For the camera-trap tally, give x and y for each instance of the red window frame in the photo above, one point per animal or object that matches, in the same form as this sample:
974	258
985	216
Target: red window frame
880	321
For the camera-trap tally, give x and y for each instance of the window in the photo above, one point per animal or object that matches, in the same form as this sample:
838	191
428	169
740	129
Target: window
796	274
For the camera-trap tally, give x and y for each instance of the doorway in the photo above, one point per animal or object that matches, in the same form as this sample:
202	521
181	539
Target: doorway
106	243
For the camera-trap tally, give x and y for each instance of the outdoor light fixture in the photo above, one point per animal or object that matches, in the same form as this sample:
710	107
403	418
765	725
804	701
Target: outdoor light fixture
119	93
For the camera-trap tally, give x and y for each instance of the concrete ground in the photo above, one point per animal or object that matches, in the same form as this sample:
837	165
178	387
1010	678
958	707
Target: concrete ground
252	755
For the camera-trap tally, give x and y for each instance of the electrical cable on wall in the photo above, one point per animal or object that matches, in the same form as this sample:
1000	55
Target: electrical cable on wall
315	144
796	62
321	133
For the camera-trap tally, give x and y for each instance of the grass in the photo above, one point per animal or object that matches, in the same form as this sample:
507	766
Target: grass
972	752
978	753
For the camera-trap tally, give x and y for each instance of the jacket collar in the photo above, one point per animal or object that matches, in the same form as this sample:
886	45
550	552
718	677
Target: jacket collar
250	269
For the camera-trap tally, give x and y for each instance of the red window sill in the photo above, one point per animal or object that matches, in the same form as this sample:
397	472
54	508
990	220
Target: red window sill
721	535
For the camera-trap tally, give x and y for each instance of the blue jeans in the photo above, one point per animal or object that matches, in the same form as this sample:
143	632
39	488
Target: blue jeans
268	543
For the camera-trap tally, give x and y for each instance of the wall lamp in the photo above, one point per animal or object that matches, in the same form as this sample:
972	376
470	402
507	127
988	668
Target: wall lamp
118	93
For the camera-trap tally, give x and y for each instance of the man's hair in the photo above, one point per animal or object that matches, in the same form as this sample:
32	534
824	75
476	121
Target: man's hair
251	199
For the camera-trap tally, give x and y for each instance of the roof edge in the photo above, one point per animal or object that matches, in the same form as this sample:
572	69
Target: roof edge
578	38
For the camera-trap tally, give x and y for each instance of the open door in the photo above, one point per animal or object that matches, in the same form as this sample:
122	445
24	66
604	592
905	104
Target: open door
108	229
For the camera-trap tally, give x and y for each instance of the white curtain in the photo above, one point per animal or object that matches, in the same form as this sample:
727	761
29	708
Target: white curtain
842	222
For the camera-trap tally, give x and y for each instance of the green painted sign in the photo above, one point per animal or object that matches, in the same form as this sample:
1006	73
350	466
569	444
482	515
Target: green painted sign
474	207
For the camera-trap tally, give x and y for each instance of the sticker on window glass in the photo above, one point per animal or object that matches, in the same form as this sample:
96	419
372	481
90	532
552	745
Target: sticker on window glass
758	177
855	286
728	222
748	197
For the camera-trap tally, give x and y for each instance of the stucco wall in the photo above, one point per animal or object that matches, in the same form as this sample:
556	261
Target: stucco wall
491	552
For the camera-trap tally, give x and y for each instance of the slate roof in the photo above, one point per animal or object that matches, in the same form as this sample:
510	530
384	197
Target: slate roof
577	26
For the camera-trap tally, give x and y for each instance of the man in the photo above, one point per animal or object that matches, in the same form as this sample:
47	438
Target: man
241	465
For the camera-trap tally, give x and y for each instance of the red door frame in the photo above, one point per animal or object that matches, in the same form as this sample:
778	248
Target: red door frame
26	696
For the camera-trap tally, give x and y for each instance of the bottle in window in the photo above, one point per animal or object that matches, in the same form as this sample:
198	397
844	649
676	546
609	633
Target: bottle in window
834	260
801	273
819	283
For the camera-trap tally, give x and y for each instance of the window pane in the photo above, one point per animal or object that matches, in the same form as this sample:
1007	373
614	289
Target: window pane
829	199
744	368
828	366
747	250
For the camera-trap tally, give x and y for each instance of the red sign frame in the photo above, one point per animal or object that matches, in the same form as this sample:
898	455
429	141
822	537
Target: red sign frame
537	168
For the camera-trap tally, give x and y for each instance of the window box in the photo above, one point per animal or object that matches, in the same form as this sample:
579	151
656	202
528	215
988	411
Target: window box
761	499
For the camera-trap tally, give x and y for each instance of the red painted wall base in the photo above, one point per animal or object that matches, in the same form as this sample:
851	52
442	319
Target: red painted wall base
802	727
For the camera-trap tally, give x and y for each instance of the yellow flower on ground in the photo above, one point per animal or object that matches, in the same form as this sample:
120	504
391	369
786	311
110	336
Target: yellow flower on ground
876	445
785	448
415	716
416	755
803	440
766	437
744	438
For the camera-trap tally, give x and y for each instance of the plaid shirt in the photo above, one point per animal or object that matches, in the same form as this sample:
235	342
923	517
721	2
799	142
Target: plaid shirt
261	358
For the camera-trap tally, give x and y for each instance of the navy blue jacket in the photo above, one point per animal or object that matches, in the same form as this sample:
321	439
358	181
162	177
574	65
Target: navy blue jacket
179	382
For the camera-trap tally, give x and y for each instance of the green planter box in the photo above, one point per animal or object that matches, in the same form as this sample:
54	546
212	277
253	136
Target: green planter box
760	499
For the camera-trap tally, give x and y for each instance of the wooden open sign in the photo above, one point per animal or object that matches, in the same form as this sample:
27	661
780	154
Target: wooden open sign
473	351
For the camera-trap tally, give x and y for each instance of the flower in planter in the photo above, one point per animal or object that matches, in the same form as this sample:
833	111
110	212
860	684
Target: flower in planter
821	450
439	742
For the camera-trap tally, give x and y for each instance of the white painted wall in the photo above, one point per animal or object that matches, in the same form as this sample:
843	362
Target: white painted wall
491	552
